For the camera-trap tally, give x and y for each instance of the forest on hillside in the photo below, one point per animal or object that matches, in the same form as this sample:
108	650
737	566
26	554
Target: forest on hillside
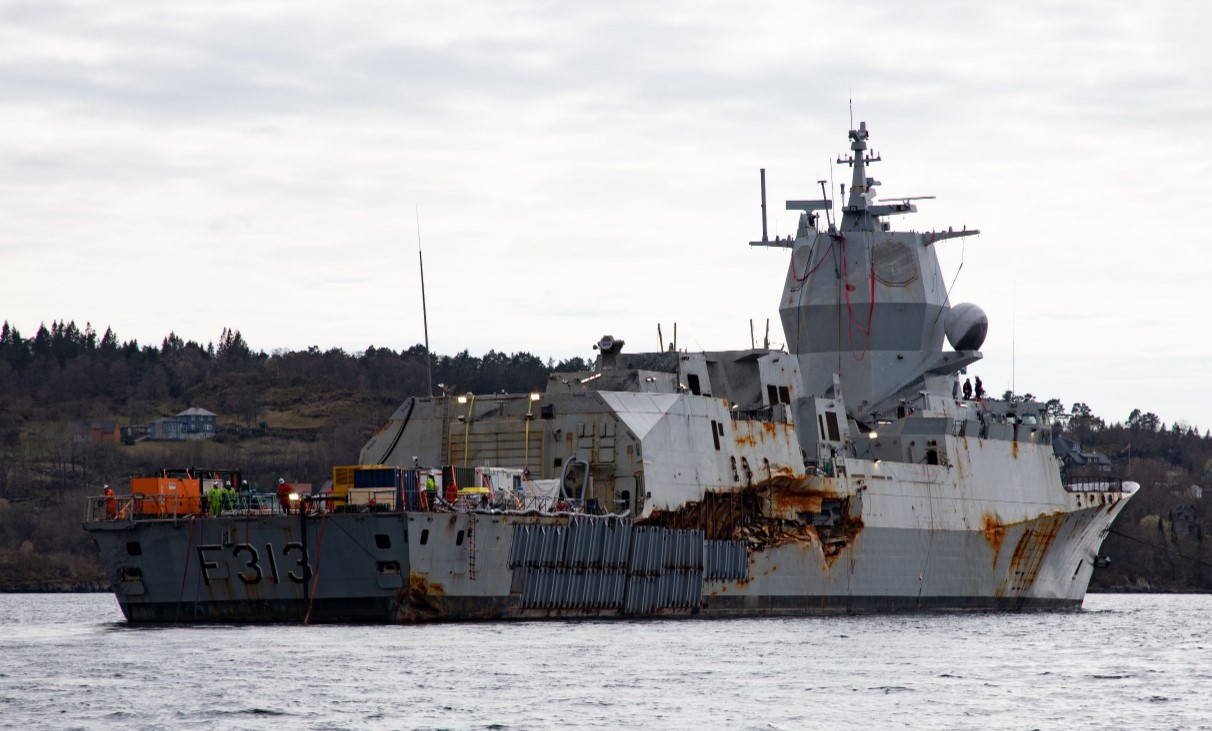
296	414
288	414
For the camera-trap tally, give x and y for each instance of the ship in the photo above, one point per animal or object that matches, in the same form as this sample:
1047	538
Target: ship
851	471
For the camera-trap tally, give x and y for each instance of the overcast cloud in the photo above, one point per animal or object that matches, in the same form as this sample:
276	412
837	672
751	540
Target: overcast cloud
591	168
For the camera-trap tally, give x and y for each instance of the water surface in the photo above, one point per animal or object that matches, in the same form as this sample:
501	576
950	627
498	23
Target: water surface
1125	661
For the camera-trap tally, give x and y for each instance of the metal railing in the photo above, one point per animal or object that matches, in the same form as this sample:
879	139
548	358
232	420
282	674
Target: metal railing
1094	483
139	506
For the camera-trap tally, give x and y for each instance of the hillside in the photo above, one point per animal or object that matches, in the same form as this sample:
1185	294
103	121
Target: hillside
291	414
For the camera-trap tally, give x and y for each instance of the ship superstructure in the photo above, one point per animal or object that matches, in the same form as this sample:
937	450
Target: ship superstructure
850	473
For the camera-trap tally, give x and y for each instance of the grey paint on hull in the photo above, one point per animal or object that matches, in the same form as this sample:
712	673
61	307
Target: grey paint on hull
357	576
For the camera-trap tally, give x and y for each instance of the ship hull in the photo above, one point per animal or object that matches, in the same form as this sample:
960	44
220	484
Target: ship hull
421	567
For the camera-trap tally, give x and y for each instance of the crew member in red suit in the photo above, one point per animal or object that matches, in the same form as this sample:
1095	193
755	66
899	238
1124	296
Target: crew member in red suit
284	495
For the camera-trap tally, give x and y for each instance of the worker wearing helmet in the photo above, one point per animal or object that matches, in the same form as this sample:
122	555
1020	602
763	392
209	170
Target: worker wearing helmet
229	496
431	491
284	494
216	499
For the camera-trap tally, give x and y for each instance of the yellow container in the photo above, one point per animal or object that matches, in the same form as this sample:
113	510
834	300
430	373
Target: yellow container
343	480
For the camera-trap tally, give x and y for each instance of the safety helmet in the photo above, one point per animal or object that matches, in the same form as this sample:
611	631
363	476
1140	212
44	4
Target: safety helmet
281	481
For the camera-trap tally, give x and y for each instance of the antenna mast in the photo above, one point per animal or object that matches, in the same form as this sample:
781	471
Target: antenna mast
424	310
1013	330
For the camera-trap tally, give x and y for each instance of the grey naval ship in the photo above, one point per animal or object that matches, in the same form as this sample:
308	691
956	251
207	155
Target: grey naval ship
848	473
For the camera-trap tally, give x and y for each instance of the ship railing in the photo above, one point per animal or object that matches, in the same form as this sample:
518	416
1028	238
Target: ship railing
507	501
511	500
140	506
1094	483
368	500
256	504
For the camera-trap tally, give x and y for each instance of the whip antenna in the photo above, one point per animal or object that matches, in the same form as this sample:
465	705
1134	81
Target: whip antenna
424	311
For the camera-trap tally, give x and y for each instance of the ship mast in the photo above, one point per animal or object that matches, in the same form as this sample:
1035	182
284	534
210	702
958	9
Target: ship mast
856	215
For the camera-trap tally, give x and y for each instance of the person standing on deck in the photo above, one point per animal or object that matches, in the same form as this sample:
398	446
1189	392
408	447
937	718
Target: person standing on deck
284	494
216	499
980	389
111	505
431	491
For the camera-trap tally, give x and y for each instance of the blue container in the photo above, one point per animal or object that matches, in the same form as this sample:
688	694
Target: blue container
377	477
411	490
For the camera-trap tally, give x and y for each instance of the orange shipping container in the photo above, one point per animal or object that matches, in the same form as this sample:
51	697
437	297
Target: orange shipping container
166	495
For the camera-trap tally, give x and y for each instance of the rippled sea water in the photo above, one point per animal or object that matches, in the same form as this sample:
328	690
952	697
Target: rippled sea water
1125	661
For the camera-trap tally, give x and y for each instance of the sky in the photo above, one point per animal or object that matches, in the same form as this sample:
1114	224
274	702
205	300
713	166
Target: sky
573	169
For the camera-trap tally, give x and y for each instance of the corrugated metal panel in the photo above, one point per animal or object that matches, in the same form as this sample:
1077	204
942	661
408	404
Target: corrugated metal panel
641	595
572	589
678	589
587	542
725	561
465	476
412	492
538	545
598	542
648	550
684	549
342	480
376	476
607	563
616	544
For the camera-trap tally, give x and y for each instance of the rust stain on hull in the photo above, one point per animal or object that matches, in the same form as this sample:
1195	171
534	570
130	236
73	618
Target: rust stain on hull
1029	554
994	532
420	600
